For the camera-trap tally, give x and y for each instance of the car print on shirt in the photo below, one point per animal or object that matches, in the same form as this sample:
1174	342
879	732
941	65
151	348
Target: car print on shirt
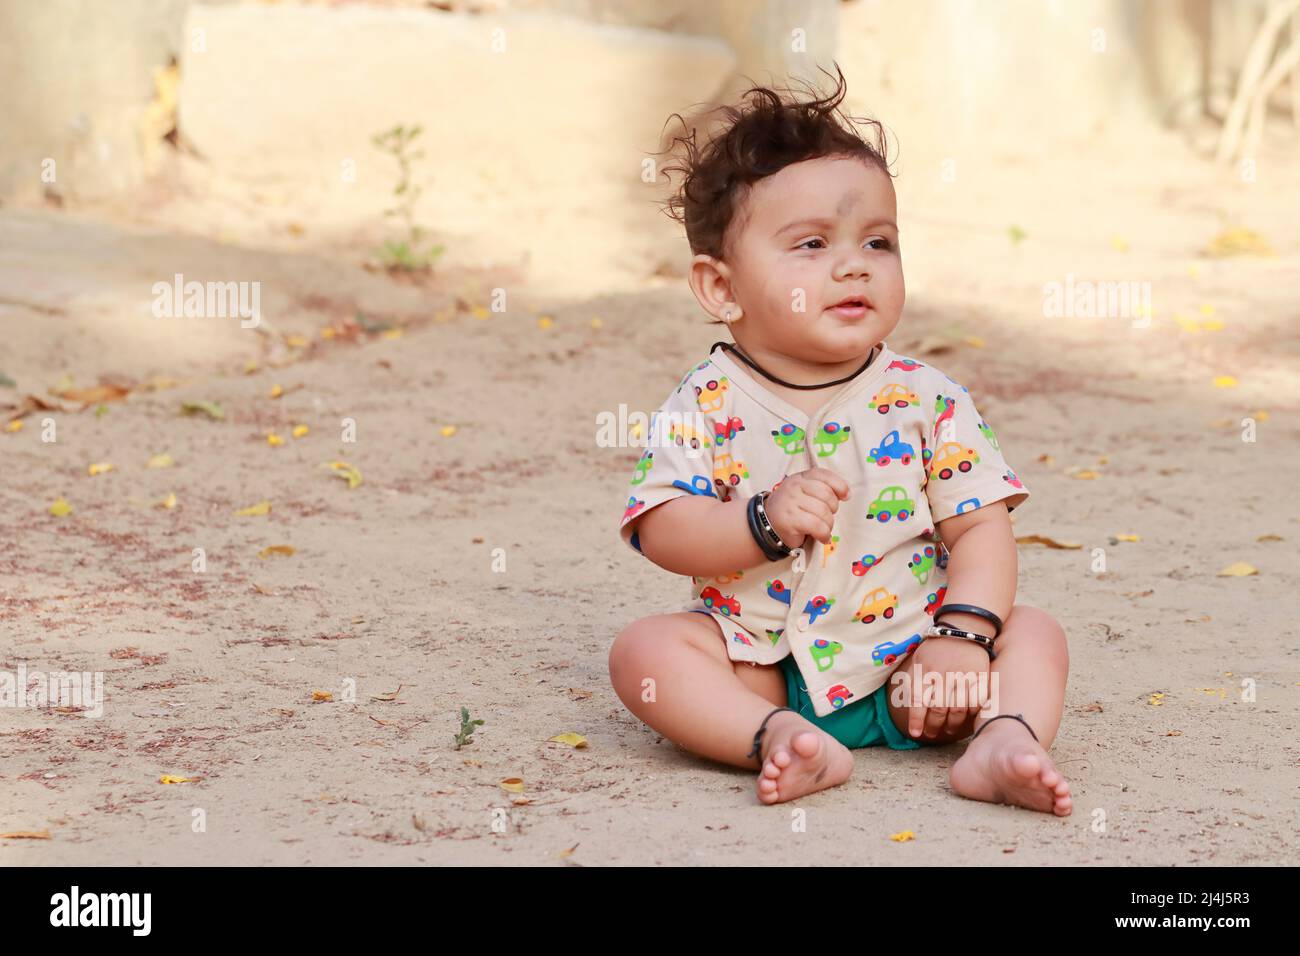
892	502
989	437
725	431
906	364
727	604
699	486
864	564
709	397
778	591
789	438
740	638
823	653
891	449
951	458
774	636
1010	478
643	467
934	600
829	437
727	473
893	396
838	696
633	506
816	607
687	377
888	652
681	434
922	563
877	603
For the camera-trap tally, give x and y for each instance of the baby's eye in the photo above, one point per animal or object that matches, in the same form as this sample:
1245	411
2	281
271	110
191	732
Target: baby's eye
884	243
804	244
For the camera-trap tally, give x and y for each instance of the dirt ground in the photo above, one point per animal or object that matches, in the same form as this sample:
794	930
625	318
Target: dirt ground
482	568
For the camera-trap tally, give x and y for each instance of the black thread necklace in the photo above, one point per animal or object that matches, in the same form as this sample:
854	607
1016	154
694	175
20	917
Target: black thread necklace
734	350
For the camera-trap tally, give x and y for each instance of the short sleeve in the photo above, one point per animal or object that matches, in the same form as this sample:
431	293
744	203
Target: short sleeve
677	458
965	464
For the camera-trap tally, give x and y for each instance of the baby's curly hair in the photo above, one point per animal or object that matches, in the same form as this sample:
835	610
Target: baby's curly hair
754	141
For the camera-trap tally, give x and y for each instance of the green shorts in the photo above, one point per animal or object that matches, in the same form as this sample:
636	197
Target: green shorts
862	723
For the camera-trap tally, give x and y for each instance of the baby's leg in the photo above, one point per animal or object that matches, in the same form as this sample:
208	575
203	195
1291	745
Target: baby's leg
1004	764
673	672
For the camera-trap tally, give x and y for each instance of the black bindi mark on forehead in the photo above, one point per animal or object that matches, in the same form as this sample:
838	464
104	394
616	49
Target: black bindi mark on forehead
847	203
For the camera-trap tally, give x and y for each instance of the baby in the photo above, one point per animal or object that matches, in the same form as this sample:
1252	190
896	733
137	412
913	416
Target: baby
842	510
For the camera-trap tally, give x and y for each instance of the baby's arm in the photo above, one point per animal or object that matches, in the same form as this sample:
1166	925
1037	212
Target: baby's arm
700	536
707	538
982	565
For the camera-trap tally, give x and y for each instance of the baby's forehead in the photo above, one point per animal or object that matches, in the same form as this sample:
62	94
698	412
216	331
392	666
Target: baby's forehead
850	188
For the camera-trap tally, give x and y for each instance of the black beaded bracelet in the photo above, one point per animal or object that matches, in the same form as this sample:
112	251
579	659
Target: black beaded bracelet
773	548
972	609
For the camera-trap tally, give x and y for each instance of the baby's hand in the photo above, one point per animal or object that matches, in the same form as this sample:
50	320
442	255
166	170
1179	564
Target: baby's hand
947	655
805	504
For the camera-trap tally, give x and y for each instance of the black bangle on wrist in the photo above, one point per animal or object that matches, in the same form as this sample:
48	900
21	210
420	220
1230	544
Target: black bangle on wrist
773	548
971	609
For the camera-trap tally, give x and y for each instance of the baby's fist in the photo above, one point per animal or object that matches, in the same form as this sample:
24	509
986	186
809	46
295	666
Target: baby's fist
805	504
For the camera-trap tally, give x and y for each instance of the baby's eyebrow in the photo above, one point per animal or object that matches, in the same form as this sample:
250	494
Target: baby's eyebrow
829	222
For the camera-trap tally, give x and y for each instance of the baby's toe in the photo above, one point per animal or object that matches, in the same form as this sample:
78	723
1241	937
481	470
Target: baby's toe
807	744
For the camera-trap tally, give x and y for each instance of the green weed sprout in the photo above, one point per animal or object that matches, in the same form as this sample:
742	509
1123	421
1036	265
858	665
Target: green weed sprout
405	254
466	728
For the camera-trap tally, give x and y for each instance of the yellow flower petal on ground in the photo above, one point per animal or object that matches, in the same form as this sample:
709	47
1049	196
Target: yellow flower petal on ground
570	738
261	508
1156	699
345	471
1119	244
300	430
160	461
1260	415
1207	309
322	695
273	439
902	837
545	322
513	784
284	549
60	508
168	778
448	431
1212	325
974	341
100	467
1224	381
295	341
15	426
1127	537
479	312
1087	474
595	322
169	502
392	334
328	332
250	366
1238	569
277	391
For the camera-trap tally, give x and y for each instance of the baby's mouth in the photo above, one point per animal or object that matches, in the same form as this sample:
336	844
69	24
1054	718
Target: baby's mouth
854	307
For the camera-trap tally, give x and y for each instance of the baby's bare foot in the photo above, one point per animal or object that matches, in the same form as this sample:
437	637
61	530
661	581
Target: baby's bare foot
798	759
1004	764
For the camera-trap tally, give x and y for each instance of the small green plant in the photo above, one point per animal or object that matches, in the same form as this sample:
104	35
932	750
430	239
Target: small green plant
466	728
407	253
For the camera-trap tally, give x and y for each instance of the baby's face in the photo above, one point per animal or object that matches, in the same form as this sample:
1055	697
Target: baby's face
811	235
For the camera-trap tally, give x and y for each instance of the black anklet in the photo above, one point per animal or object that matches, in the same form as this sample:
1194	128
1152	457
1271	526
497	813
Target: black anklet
758	737
1019	717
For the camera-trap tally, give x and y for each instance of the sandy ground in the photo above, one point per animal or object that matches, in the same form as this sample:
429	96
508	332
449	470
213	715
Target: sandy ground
399	582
